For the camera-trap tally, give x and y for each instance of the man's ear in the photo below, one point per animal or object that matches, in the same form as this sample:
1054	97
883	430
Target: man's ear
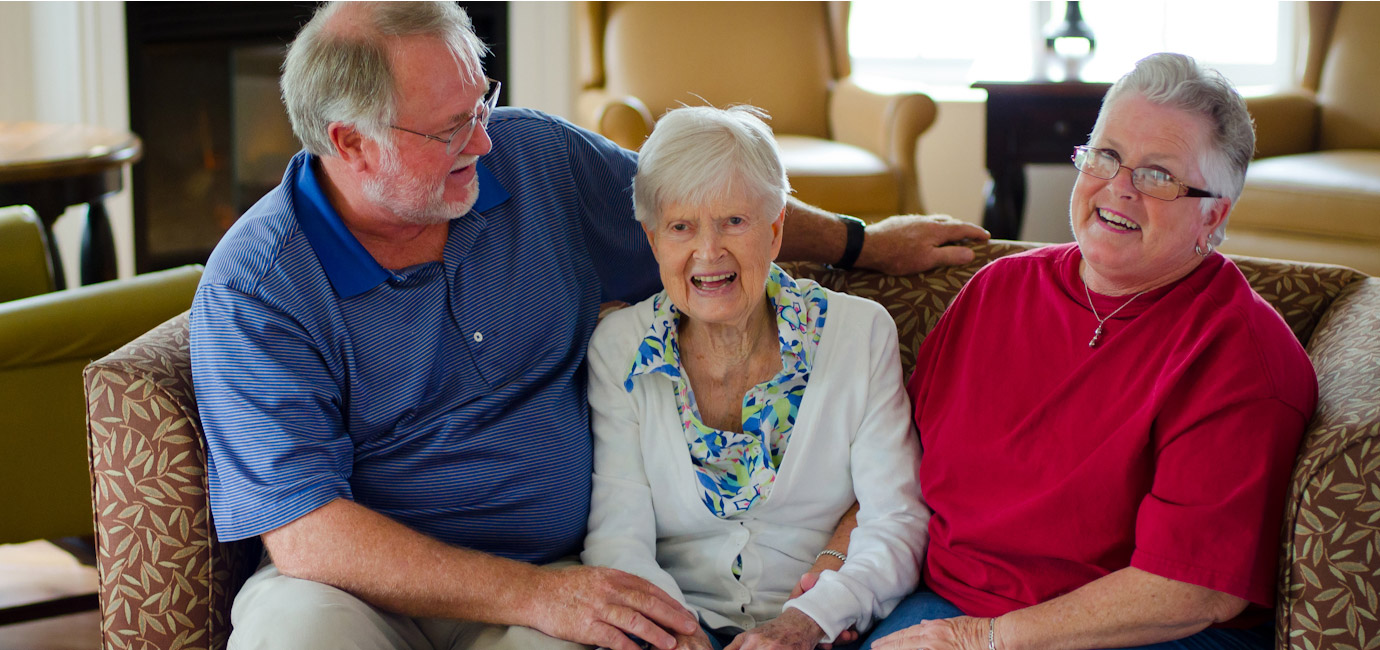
349	145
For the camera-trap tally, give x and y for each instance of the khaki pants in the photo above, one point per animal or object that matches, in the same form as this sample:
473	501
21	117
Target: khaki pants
275	611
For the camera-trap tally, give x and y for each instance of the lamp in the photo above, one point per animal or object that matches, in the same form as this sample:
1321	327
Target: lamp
1070	42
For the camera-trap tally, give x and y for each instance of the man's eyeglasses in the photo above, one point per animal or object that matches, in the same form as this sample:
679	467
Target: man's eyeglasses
460	137
1160	184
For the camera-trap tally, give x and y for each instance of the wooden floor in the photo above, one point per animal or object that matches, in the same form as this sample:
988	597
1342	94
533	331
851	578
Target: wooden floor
71	632
37	571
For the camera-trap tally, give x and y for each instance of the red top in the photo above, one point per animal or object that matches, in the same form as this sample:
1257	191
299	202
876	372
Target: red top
1049	464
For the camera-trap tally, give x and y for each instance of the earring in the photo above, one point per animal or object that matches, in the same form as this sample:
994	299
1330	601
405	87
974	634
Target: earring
1198	248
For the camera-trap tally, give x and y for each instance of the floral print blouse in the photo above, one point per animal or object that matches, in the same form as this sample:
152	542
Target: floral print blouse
736	470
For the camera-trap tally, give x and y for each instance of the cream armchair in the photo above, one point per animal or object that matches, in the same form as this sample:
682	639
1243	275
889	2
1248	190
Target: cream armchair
846	149
1313	192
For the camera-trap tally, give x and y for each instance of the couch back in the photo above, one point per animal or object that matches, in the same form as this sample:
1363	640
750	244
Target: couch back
1300	292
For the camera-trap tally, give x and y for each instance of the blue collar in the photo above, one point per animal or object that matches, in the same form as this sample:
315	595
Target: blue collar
349	266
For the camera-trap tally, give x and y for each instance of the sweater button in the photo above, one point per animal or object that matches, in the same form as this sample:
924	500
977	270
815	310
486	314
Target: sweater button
478	337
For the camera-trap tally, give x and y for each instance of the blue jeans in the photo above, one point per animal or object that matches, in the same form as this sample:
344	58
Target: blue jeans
925	605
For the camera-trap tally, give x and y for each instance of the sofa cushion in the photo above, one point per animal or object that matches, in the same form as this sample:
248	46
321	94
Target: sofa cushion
1324	192
839	177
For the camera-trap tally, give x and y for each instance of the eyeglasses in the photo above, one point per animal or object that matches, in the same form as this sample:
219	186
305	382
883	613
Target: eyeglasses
1157	183
460	137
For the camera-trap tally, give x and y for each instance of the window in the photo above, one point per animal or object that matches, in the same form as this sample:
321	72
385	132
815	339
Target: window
957	43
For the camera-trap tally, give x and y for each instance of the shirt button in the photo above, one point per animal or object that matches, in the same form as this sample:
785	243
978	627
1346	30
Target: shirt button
478	337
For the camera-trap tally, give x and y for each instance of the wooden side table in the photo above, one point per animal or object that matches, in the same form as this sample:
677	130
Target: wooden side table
1031	122
52	166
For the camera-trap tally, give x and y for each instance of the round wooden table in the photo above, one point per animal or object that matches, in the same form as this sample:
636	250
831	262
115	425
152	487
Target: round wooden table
50	167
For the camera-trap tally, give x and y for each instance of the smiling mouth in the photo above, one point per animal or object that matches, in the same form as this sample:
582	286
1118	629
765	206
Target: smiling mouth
1115	221
712	282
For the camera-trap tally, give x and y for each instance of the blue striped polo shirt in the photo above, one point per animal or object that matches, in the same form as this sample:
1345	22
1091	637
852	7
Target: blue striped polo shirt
449	396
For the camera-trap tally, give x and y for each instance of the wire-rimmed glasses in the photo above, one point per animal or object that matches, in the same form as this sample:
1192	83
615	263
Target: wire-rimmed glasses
1157	183
460	137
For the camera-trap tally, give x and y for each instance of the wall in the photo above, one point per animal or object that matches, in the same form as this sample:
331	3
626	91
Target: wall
951	154
67	62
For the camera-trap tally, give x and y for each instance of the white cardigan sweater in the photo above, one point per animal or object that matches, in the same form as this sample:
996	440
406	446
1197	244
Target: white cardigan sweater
852	441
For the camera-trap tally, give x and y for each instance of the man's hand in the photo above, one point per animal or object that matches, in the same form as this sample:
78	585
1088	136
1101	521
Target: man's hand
601	607
792	630
911	243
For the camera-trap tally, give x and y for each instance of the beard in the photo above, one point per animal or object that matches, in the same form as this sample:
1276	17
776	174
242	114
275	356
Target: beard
416	200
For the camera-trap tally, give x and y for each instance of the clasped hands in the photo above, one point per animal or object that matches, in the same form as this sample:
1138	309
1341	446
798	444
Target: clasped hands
603	607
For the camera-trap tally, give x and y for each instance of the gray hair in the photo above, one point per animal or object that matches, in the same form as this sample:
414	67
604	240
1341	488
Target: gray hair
1177	81
700	154
338	70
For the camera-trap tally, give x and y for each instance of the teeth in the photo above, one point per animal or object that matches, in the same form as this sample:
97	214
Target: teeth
1115	220
701	280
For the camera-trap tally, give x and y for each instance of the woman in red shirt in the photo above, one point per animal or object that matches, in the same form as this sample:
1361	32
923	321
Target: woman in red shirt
1108	426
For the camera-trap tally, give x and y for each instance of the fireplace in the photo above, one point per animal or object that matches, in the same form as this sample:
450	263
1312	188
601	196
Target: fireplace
204	99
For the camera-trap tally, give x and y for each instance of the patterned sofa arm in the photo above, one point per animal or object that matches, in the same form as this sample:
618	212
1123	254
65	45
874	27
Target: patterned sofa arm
1331	533
165	581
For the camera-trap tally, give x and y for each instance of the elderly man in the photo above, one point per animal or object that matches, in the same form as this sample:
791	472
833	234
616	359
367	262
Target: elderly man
388	352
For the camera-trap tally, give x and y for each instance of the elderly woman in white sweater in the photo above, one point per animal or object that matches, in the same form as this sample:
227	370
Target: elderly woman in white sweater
740	413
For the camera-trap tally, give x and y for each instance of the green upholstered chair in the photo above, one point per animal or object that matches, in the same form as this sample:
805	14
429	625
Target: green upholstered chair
46	339
24	267
45	342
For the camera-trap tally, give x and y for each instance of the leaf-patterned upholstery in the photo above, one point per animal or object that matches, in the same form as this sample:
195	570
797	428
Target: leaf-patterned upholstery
166	582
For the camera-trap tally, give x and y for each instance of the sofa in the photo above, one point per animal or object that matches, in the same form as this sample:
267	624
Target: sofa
1313	192
166	581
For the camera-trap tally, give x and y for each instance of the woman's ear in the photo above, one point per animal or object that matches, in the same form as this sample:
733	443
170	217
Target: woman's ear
651	237
778	230
1218	213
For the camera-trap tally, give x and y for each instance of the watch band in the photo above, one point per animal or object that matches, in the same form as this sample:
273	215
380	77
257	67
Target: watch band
857	230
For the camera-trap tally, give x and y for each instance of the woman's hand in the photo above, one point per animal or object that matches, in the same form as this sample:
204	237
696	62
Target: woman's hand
807	581
962	633
697	641
792	630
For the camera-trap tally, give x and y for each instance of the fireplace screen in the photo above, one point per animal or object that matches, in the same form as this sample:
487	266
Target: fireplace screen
204	97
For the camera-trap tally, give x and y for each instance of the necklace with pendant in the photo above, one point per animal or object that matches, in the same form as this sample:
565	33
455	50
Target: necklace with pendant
1097	333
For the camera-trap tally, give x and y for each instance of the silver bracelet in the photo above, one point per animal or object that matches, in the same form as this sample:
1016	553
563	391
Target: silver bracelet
830	551
992	634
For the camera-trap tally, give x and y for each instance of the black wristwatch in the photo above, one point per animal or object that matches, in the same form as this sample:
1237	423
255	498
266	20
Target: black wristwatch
857	230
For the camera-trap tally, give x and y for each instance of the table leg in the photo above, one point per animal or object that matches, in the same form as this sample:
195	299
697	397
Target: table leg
97	246
1003	213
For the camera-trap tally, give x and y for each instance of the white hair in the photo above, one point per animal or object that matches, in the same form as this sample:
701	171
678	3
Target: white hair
342	73
699	155
1177	81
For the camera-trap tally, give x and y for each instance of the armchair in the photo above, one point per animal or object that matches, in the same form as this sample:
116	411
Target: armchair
166	581
846	149
45	341
24	267
1313	193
